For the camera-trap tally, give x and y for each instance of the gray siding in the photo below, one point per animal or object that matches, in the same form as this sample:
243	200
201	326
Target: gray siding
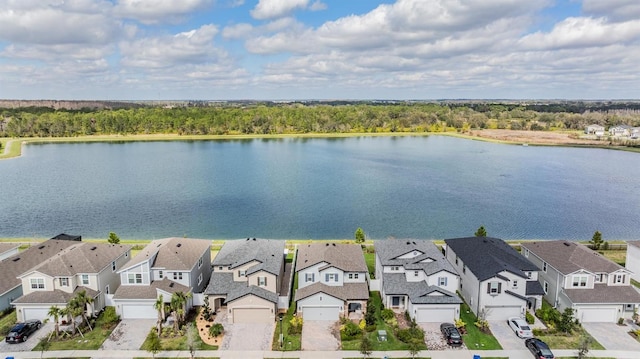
7	298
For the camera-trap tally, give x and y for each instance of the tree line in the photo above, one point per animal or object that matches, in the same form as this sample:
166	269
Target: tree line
299	118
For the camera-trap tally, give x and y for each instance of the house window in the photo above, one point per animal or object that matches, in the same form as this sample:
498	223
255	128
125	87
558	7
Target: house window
134	278
416	273
126	254
395	268
526	253
64	282
113	266
220	268
579	281
85	279
515	284
331	277
160	274
546	287
309	277
37	283
494	288
350	275
200	261
355	276
442	281
200	279
262	281
629	307
177	275
464	269
619	278
544	267
242	273
106	289
456	259
599	278
529	274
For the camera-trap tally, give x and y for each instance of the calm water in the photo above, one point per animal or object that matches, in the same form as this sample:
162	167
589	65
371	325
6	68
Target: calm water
419	187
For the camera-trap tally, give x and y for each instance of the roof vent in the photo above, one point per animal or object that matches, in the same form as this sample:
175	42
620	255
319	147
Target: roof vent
16	259
179	245
254	239
566	244
94	248
327	244
415	243
41	247
171	285
334	244
248	239
408	242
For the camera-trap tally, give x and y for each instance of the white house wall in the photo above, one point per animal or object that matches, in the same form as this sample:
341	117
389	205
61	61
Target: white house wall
140	268
271	281
331	270
26	283
302	274
362	277
453	281
237	270
551	276
320	300
416	275
633	261
468	281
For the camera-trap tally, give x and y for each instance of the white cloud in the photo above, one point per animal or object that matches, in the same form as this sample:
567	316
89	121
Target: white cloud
615	10
157	11
270	9
318	6
237	31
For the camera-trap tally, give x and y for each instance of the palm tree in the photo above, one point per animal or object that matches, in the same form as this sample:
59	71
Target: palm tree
159	306
184	298
175	305
55	312
83	302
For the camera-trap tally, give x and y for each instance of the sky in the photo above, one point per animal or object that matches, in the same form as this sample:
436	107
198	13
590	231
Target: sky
319	49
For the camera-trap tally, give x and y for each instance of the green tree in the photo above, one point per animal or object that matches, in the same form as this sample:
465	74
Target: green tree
82	302
159	306
113	238
44	345
566	323
55	313
583	346
360	236
596	240
366	347
414	347
192	340
481	232
154	344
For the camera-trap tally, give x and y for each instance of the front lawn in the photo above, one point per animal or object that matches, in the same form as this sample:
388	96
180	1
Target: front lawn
180	342
475	338
370	259
92	340
560	340
7	320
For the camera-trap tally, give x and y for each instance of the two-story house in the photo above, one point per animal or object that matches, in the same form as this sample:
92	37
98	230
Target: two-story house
247	280
574	276
81	266
332	281
18	263
594	129
415	277
163	267
495	280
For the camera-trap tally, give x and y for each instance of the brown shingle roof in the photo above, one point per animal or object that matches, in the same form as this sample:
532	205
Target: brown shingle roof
53	296
568	257
82	257
347	257
12	267
172	253
149	291
602	293
5	247
349	291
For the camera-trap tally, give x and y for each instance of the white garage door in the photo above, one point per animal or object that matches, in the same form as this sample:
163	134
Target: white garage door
588	315
502	312
252	315
321	313
35	313
435	315
139	311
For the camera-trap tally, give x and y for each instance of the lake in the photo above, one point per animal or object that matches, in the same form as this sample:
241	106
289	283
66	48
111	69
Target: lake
403	187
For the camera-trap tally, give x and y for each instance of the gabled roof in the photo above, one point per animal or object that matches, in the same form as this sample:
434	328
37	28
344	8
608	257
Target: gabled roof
348	291
5	247
55	296
224	285
534	288
568	257
430	261
268	252
67	237
486	257
81	257
239	292
149	291
418	292
12	267
602	293
171	253
346	257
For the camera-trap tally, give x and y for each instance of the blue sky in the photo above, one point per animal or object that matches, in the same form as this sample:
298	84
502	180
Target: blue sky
319	49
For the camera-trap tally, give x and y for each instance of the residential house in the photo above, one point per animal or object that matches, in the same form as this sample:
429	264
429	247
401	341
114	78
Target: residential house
632	262
81	266
594	129
247	280
332	281
620	131
15	265
574	276
495	280
635	133
415	277
67	237
8	249
163	267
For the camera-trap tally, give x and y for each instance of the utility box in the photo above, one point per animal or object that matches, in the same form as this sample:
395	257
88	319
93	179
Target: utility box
382	335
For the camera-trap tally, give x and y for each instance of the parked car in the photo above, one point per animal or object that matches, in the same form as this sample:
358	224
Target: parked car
451	334
521	327
21	331
538	348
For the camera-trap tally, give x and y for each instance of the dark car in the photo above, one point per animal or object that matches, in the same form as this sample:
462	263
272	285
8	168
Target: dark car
538	348
21	331
451	334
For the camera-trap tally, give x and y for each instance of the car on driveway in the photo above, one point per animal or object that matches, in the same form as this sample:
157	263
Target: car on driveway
21	331
451	334
538	348
521	327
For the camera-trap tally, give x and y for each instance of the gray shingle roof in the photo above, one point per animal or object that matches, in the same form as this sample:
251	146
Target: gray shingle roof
172	253
82	257
346	257
602	293
5	247
240	291
389	249
418	292
12	267
223	284
534	288
568	257
348	291
268	252
149	291
487	256
53	296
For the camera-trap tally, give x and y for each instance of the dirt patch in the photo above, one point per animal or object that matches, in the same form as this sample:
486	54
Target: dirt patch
203	329
536	137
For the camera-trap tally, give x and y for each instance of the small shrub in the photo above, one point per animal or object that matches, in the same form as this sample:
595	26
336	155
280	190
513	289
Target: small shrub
407	316
459	323
483	325
362	324
370	328
387	314
216	330
370	317
295	326
349	331
530	318
620	321
409	334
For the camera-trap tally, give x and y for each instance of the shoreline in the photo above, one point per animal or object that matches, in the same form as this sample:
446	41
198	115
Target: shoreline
12	147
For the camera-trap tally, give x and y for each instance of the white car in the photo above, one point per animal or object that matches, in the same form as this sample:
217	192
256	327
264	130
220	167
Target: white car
521	327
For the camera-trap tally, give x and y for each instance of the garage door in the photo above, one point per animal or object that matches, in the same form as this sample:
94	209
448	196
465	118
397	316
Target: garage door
252	315
502	312
35	313
321	313
589	315
139	311
435	315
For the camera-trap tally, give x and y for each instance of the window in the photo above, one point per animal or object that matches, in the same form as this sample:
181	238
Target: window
106	290
331	277
200	279
126	254
37	283
456	259
350	275
242	273
85	279
134	278
464	269
177	275
442	281
160	274
395	268
619	278
494	288
309	277
113	266
200	261
546	287
629	307
526	253
416	273
529	274
64	282
579	281
356	275
544	267
262	281
599	278
220	268
515	284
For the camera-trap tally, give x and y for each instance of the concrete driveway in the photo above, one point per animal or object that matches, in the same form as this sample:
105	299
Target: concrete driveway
505	335
612	336
30	343
129	334
434	339
248	336
317	335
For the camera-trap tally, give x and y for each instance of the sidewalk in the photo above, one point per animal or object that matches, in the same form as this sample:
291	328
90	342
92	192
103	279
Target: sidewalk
225	354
